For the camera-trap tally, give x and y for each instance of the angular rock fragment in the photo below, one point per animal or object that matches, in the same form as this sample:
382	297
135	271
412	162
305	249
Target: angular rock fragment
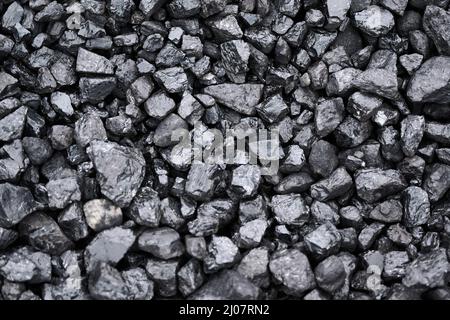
227	285
375	184
374	20
417	206
222	253
431	83
239	97
436	23
44	234
164	274
108	246
102	214
323	241
336	185
428	270
119	182
163	243
292	269
15	204
90	62
290	209
11	126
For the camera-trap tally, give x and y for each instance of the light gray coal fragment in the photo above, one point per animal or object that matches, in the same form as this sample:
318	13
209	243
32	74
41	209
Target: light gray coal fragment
108	246
12	15
44	234
95	90
431	83
245	180
374	21
395	263
222	253
235	55
163	243
368	235
184	8
412	128
196	247
272	109
242	98
322	212
88	128
62	192
350	216
436	182
174	80
7	83
159	105
12	126
294	183
336	185
363	105
330	274
294	160
227	285
427	271
318	73
389	211
438	132
90	62
202	180
140	287
381	82
375	184
61	137
106	283
190	277
145	208
340	83
15	204
102	214
261	38
13	161
251	233
436	23
318	42
416	207
25	265
164	274
51	12
7	237
292	269
119	182
72	222
411	62
324	241
254	266
149	7
140	90
328	115
399	235
290	209
165	129
62	104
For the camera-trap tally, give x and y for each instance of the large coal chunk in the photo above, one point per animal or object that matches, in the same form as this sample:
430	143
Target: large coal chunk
15	204
242	98
292	269
436	23
431	83
120	170
375	184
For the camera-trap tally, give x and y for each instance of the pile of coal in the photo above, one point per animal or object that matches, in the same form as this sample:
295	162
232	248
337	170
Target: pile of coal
98	201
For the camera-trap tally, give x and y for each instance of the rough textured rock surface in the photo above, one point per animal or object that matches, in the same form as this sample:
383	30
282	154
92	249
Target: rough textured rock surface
224	149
